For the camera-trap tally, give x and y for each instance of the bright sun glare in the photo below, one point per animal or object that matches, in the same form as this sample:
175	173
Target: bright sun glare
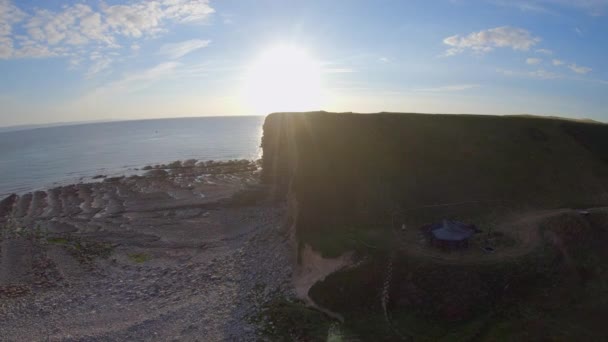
284	78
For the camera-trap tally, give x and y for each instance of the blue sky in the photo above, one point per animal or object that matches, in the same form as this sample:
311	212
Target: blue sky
95	60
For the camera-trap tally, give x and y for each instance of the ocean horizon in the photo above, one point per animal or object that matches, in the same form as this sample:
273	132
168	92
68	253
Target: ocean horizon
43	157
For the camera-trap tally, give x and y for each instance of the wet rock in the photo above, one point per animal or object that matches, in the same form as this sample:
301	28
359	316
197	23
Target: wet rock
60	227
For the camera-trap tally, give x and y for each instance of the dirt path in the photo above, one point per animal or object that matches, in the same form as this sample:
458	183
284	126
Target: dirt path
312	268
522	228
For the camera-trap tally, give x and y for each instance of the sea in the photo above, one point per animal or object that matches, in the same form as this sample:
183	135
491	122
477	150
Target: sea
34	159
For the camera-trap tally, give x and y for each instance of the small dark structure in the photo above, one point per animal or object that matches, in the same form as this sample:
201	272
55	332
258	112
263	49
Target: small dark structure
450	234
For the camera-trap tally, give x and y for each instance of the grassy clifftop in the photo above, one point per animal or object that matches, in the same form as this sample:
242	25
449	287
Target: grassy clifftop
351	177
344	167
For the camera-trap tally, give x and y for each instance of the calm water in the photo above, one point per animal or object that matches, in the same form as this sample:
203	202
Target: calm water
39	158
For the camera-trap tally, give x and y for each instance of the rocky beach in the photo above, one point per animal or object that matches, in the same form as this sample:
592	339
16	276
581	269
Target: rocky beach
326	238
186	251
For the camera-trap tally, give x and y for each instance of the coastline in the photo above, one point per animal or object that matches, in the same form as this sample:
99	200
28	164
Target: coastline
124	172
57	156
123	256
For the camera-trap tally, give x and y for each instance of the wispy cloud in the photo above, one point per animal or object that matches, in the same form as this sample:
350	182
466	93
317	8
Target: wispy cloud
75	30
508	37
487	40
540	74
100	62
179	50
523	5
9	15
449	88
582	70
579	69
591	7
543	74
129	83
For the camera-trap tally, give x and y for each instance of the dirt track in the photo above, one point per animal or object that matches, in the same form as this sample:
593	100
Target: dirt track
522	228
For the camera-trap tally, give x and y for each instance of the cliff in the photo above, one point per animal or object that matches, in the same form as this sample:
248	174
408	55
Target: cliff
361	186
344	167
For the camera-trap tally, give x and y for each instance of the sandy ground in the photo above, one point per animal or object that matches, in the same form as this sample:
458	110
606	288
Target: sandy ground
176	254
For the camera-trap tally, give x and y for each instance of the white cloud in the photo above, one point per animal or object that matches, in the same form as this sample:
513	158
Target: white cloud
455	87
100	63
31	49
487	40
133	20
557	62
187	10
533	61
128	83
537	74
76	29
544	51
178	50
543	74
6	47
579	69
384	59
50	28
9	15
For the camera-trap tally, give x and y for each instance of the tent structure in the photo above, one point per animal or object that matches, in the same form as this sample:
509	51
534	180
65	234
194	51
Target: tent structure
450	234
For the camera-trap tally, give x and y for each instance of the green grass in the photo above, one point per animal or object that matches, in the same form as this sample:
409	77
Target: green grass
361	238
83	250
546	297
139	257
285	320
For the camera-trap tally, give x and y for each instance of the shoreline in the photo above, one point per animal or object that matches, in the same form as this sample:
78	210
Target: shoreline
126	171
163	251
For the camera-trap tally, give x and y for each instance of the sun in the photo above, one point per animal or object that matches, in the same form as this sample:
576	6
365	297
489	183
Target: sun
283	79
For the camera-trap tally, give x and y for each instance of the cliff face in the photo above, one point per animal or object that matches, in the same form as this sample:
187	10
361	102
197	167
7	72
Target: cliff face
352	167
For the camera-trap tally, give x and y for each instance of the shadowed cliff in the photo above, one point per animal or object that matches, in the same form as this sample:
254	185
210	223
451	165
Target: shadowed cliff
346	167
367	183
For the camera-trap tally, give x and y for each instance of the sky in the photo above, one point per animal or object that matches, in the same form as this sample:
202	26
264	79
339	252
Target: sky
64	60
